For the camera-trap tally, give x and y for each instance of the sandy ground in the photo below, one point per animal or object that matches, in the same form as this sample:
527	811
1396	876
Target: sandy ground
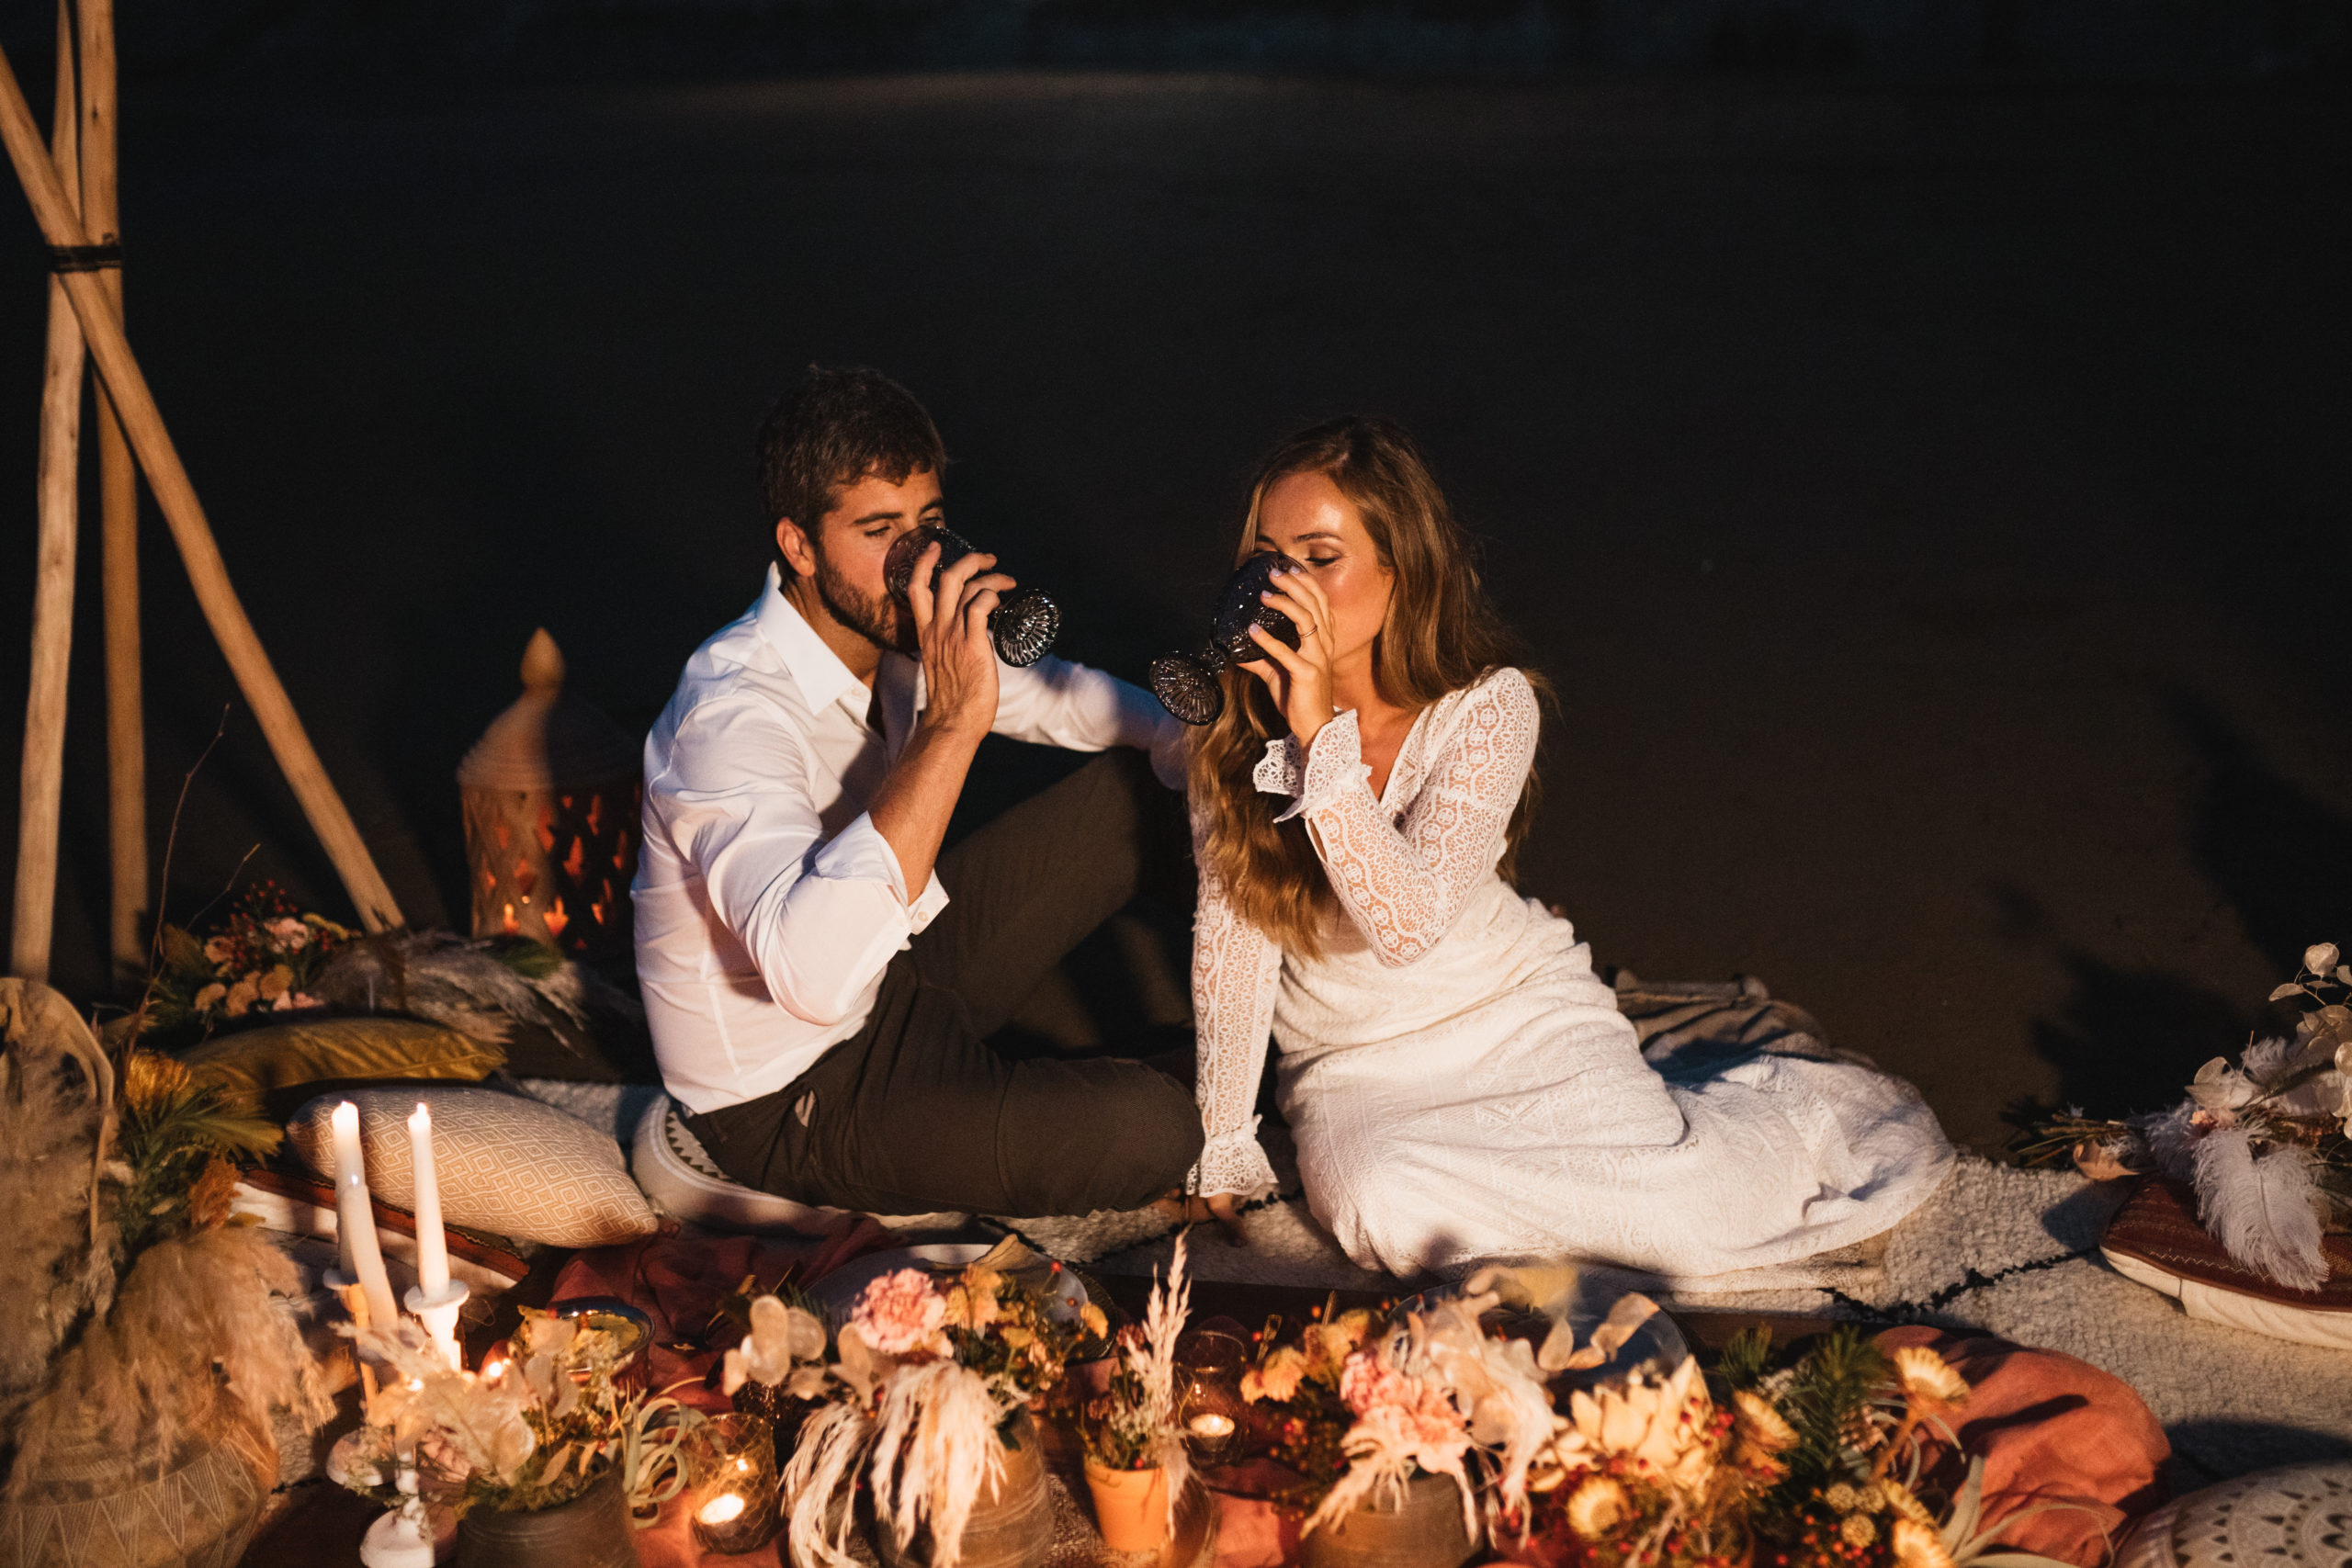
1933	505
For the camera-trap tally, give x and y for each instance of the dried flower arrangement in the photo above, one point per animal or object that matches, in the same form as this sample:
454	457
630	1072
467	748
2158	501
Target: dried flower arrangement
268	957
1439	1394
533	1430
927	1386
2267	1145
1816	1464
263	958
1132	1425
1356	1412
1293	1390
130	1285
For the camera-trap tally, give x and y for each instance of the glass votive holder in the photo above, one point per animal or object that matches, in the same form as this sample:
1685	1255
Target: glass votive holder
732	1484
1209	1363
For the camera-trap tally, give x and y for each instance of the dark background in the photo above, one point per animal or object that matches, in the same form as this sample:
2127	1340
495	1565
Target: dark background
1914	444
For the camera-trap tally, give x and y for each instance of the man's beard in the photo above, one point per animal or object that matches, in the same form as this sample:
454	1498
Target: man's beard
882	621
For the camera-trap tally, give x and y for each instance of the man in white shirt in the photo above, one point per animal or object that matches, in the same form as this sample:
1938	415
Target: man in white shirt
819	978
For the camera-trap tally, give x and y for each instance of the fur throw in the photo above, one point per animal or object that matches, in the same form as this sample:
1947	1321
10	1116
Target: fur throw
482	989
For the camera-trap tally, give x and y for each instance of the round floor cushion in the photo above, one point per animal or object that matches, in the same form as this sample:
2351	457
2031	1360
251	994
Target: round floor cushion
681	1178
2296	1516
2155	1239
505	1163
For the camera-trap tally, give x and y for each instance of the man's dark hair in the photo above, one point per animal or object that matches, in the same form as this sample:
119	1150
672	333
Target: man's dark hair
833	429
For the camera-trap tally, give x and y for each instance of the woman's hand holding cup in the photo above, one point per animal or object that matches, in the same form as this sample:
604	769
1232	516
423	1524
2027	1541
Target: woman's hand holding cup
1300	678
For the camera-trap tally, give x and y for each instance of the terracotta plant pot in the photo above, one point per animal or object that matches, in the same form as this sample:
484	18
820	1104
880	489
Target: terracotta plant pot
1012	1526
1130	1505
593	1530
1427	1532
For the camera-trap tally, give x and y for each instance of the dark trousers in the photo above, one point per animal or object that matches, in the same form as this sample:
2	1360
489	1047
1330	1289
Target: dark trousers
915	1112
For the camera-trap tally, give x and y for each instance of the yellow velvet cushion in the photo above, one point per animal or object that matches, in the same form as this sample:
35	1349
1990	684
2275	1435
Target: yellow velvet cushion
252	1063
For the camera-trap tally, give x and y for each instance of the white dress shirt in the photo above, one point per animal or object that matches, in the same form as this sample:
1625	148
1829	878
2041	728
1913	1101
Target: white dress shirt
767	903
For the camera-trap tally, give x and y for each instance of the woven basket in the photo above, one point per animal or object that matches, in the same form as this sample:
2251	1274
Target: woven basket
95	1505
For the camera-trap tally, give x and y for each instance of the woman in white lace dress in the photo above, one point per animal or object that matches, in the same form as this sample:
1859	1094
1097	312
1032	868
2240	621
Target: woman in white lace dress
1460	1084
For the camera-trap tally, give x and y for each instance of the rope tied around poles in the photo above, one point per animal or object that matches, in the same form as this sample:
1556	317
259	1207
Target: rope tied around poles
85	258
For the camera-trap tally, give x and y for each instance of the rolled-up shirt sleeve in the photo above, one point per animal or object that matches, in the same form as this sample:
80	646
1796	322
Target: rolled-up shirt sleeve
820	916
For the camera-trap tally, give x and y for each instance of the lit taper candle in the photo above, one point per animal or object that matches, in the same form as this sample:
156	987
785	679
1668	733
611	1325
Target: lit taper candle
362	1257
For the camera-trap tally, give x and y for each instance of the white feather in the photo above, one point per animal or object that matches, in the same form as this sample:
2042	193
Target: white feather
2264	1210
2266	1062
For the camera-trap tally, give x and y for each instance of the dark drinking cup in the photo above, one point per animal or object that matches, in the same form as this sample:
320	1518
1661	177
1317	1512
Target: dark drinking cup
1022	627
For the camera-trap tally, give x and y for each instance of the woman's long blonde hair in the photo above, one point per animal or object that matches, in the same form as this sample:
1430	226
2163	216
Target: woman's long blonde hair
1439	635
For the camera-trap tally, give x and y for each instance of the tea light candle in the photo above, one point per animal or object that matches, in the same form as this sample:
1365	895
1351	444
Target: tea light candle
1209	1424
728	1524
362	1257
731	1463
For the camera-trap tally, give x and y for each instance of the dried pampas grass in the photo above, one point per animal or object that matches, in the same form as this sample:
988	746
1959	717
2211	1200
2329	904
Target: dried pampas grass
936	1452
56	1267
816	1484
190	1305
932	1436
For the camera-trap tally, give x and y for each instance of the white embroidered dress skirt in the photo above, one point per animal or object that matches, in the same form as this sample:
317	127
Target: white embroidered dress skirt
1461	1087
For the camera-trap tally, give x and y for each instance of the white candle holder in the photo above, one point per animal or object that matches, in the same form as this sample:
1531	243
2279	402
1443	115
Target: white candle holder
438	1313
404	1537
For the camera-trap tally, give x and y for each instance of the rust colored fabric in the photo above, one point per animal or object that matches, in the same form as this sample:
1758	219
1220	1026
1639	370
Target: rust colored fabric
676	1278
2050	1429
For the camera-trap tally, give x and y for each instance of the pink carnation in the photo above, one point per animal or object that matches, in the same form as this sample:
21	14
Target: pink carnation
1403	1408
901	1313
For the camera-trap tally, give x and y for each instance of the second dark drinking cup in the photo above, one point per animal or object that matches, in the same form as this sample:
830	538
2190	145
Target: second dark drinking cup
1187	683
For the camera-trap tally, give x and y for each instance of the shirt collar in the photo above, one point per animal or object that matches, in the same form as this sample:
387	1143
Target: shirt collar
816	670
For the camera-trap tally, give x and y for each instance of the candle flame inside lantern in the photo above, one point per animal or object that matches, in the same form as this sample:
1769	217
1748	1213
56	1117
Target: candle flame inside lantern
1209	1424
722	1508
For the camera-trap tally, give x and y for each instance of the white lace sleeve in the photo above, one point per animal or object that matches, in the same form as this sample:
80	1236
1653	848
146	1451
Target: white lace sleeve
1402	882
1236	968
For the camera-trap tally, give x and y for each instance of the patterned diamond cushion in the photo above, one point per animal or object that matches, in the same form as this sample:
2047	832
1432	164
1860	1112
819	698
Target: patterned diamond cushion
506	1164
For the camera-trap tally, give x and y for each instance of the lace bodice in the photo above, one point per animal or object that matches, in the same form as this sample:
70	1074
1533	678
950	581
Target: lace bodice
1401	865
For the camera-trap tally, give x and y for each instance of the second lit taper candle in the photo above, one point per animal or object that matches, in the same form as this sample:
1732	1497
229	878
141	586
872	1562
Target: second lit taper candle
432	1242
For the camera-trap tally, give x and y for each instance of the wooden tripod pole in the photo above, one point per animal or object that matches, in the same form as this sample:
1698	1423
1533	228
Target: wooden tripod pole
143	422
119	513
43	781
